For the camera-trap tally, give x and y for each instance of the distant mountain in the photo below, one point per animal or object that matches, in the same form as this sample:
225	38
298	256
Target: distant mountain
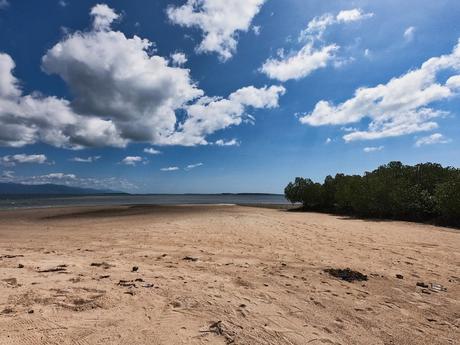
49	189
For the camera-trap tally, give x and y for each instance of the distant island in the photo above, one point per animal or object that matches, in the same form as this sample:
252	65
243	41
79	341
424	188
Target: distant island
19	189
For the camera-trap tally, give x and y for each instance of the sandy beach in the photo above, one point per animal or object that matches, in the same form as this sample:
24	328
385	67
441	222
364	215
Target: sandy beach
223	275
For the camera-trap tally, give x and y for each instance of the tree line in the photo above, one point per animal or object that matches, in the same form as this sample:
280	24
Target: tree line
424	192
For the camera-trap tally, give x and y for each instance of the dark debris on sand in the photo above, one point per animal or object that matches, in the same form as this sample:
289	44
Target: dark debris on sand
8	256
190	258
220	329
103	264
346	274
59	269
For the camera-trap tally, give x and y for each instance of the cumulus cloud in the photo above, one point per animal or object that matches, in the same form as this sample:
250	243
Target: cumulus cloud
232	142
26	119
9	85
122	92
436	138
328	141
170	169
299	65
151	151
219	20
90	159
314	54
179	59
209	115
112	76
103	16
409	33
133	160
401	106
373	149
22	158
453	83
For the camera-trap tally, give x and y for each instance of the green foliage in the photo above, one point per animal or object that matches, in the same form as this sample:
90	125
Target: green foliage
305	191
422	192
448	201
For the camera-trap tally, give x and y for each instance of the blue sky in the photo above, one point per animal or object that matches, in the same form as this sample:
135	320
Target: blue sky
227	96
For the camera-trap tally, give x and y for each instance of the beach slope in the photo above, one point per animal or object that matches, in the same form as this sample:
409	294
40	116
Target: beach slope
223	275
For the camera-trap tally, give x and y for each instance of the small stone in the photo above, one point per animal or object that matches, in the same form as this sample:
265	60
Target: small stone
20	266
31	311
135	269
399	276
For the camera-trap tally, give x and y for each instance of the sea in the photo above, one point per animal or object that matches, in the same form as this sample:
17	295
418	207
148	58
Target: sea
17	202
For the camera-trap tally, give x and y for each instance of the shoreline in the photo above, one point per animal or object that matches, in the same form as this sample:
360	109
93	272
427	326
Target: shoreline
64	201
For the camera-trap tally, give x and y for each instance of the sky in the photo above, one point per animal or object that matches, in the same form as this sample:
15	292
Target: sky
211	96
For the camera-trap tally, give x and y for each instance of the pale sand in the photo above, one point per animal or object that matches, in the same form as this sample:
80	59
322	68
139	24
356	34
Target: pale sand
259	271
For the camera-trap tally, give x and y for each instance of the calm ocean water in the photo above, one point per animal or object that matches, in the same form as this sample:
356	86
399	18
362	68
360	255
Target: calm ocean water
154	199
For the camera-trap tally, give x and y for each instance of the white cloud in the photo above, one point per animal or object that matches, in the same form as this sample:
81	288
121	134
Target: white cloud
193	166
133	160
26	119
328	141
62	3
220	21
170	169
115	78
122	92
91	159
9	85
22	158
436	138
179	59
299	65
318	25
57	176
373	149
352	15
409	33
232	142
312	56
209	115
151	151
256	30
453	83
399	107
70	179
103	17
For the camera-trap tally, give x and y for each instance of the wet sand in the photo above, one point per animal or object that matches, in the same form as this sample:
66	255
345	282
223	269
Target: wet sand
223	275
